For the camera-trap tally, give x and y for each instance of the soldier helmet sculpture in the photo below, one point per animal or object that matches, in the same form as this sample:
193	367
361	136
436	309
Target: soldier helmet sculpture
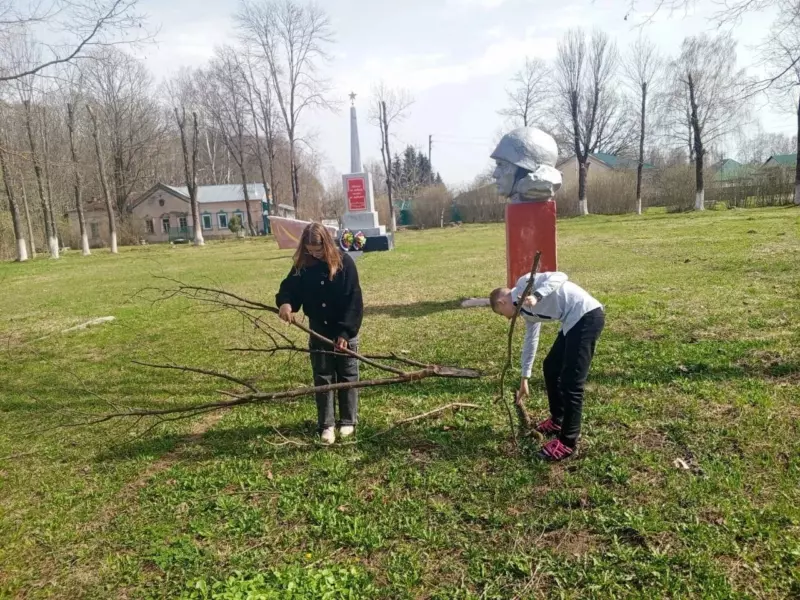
526	160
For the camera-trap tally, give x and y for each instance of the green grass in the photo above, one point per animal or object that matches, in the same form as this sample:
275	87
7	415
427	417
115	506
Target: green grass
700	361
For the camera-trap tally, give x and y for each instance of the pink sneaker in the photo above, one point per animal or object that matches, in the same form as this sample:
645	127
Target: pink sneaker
548	427
554	451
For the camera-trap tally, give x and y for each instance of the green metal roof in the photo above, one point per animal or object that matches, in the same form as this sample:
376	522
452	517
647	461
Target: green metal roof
729	170
619	162
785	160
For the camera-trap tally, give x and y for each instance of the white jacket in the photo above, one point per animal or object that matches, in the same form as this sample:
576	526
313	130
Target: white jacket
561	300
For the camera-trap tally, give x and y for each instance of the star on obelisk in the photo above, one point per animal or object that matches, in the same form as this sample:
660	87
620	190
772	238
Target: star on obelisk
352	98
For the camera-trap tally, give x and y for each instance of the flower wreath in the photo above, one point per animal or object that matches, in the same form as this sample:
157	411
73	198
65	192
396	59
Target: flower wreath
349	241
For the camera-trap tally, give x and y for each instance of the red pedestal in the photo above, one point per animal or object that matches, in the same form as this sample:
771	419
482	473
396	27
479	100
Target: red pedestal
530	226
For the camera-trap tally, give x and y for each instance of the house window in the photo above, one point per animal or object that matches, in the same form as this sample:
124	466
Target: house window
222	220
182	223
94	228
149	226
165	225
207	222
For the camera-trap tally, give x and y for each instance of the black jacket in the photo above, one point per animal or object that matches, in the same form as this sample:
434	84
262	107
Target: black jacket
334	308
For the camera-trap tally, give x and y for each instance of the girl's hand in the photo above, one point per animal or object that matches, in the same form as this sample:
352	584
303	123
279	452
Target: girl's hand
524	391
285	313
341	343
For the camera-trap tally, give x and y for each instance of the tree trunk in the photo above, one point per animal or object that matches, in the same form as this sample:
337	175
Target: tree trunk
190	171
581	156
47	213
247	199
28	221
583	172
387	165
260	158
46	151
16	221
199	240
797	164
640	166
77	174
293	174
699	199
112	225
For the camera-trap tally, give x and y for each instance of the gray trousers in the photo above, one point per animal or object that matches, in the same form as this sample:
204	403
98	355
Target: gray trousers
331	368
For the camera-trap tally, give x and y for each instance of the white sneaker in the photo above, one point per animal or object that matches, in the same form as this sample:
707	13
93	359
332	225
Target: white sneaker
346	430
328	435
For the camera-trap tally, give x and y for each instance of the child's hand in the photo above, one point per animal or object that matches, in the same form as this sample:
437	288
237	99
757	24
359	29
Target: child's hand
530	302
524	391
285	313
341	343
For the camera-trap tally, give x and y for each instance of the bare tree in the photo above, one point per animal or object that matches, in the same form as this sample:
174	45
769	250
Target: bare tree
291	40
730	12
78	183
78	25
16	217
389	107
782	53
263	118
112	223
44	199
121	93
641	68
28	220
710	88
183	93
530	94
588	106
224	92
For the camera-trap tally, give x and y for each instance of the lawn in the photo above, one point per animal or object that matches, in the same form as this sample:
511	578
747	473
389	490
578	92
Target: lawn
687	483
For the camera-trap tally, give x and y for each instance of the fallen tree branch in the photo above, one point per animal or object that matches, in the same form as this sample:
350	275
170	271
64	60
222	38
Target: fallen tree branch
521	412
251	394
430	413
261	397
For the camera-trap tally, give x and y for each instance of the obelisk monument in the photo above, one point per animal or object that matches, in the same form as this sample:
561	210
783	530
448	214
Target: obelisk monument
360	214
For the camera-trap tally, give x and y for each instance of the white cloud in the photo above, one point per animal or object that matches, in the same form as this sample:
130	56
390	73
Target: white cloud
486	4
418	72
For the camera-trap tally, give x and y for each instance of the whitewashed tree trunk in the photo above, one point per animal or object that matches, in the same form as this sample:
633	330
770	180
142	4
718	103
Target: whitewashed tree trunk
22	250
29	223
583	207
47	211
85	251
797	193
639	205
16	220
112	224
699	200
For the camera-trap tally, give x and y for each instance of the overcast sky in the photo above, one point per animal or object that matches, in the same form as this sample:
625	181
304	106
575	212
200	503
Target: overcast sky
455	56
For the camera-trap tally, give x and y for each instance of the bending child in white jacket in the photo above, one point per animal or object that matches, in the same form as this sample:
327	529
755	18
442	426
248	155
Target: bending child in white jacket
554	298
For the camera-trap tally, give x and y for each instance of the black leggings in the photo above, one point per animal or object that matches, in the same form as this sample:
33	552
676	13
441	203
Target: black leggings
565	370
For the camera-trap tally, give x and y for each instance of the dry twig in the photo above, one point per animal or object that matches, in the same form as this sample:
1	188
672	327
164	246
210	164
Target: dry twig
525	421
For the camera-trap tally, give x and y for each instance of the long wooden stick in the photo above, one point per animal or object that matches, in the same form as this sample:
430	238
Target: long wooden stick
509	350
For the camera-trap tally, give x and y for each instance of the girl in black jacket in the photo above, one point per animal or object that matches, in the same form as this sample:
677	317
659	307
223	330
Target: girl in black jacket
323	282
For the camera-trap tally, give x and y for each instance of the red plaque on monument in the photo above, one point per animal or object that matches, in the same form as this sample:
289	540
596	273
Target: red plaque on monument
530	226
356	194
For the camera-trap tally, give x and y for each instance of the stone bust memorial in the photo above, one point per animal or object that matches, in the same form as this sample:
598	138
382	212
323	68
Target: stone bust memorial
526	166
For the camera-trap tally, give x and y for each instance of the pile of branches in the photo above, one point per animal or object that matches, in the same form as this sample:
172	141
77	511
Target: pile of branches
398	369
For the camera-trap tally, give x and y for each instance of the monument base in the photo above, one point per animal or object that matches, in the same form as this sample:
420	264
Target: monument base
378	243
530	227
362	221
